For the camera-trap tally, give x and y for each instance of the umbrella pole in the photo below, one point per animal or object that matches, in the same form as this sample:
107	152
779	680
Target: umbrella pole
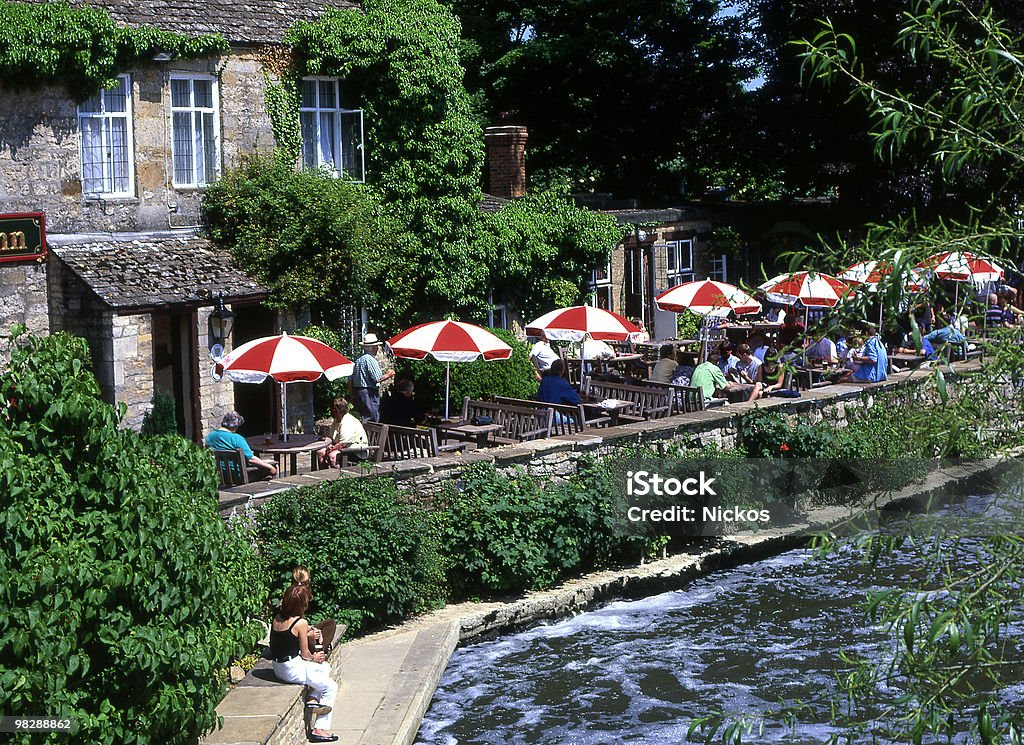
284	412
447	385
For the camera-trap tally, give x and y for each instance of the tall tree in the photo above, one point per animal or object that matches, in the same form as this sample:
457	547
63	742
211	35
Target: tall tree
630	97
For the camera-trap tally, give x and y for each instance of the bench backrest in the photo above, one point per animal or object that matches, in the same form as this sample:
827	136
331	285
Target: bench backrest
376	436
651	402
517	423
232	466
406	443
685	398
572	418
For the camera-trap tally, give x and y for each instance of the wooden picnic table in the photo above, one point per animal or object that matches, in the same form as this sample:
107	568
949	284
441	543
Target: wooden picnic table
611	407
477	433
288	449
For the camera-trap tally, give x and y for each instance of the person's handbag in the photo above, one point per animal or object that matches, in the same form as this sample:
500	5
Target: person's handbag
481	419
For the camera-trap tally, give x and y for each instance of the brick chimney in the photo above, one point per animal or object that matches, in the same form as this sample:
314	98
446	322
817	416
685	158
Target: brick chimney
506	159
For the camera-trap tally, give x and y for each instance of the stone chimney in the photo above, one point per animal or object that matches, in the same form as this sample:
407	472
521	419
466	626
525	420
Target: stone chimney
506	161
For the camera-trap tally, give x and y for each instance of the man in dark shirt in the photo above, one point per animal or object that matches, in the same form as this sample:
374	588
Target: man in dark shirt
400	407
555	389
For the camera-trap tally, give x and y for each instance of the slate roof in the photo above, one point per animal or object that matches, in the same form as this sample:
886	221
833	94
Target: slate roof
491	204
158	272
239	21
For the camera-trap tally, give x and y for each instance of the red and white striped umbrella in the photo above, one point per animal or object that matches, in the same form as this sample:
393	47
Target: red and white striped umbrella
868	273
570	324
813	289
449	341
286	359
708	298
962	266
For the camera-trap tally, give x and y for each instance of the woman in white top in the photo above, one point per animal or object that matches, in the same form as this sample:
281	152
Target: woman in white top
347	433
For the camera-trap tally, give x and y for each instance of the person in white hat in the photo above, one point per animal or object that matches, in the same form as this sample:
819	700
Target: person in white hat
366	380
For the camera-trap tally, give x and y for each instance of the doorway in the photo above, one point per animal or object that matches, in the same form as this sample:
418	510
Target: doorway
175	367
257	403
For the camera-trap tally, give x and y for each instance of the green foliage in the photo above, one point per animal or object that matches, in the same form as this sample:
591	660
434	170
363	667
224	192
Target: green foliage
688	324
514	533
399	61
82	48
282	101
372	558
162	419
312	239
120	595
324	390
514	377
536	243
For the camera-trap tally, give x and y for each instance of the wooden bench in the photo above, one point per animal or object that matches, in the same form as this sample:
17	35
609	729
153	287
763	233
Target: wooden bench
518	423
685	398
376	434
650	402
573	420
233	467
409	443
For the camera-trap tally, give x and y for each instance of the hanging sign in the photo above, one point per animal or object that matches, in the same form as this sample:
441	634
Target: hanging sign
23	236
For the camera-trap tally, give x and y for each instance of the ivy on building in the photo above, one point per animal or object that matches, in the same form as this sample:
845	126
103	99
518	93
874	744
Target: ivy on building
82	48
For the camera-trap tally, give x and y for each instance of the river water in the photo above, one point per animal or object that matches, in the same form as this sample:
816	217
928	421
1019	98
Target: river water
738	640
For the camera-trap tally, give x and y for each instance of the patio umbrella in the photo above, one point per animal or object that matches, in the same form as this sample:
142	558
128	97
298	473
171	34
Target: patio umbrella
286	359
448	342
571	324
867	274
813	289
709	299
961	266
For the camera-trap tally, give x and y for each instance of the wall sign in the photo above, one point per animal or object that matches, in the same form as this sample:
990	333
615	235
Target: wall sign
22	236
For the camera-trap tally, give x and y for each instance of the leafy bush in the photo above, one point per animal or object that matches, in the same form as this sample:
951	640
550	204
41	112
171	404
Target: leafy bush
372	558
513	377
324	390
120	590
509	534
162	418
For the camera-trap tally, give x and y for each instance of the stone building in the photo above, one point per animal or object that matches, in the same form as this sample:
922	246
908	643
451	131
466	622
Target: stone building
120	179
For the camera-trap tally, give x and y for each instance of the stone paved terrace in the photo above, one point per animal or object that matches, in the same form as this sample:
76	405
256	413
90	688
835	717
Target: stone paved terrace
386	680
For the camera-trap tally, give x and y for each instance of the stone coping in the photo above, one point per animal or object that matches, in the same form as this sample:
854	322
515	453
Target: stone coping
387	679
523	453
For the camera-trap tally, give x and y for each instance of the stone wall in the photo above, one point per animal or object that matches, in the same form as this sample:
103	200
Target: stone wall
40	163
132	365
22	299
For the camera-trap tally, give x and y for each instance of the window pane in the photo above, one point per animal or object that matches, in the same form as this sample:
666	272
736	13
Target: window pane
328	135
328	98
92	155
91	105
180	93
203	90
209	149
115	99
197	138
309	94
308	122
352	145
182	133
119	164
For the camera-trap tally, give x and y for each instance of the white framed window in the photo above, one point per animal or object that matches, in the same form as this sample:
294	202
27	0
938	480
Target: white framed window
332	136
601	286
195	130
719	268
105	123
678	262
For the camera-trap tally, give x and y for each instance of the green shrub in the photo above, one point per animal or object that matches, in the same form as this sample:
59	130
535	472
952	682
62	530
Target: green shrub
513	377
514	533
120	597
372	558
162	419
324	390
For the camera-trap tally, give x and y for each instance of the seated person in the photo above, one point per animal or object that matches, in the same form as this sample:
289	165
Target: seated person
400	407
872	360
771	375
227	438
347	432
662	371
555	389
594	349
709	378
639	337
684	370
994	313
745	375
792	332
726	359
933	342
775	314
542	355
823	351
